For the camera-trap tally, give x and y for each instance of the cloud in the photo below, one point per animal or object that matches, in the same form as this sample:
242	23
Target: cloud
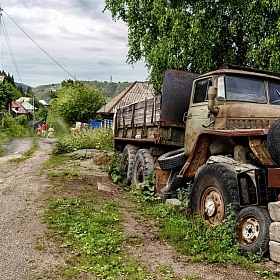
74	34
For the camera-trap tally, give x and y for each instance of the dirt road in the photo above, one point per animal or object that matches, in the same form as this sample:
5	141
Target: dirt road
23	189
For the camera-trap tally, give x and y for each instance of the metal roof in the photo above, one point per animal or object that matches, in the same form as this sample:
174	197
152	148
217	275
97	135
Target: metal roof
18	108
137	91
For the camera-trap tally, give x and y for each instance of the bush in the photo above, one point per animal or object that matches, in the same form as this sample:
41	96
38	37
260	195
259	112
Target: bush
13	127
100	139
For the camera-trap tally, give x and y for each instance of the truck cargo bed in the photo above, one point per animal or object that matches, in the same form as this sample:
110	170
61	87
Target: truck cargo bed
141	122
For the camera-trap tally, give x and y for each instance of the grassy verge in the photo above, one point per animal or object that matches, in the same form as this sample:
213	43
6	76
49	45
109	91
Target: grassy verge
86	225
85	222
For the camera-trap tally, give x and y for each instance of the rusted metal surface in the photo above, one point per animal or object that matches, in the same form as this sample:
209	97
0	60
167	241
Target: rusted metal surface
260	151
248	230
176	94
161	177
142	121
212	205
250	115
198	156
236	132
134	140
273	175
239	71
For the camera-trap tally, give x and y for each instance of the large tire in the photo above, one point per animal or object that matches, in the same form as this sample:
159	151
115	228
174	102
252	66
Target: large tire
215	187
172	159
273	141
143	165
253	229
127	160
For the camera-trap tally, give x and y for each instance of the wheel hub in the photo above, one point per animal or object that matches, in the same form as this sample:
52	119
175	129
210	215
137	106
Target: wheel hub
140	173
210	207
250	230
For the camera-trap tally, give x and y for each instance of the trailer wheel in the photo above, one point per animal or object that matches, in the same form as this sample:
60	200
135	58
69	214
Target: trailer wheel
143	165
253	229
172	159
273	141
127	159
214	188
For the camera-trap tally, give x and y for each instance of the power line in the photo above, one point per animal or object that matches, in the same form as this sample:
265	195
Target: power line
10	48
38	45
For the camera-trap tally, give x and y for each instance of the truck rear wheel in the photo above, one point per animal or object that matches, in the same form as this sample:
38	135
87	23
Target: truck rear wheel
214	188
143	165
172	159
273	141
253	229
127	160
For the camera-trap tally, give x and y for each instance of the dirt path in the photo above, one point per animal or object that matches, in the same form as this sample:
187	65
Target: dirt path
22	191
20	220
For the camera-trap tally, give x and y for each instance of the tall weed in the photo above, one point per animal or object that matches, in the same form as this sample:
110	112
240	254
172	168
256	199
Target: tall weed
100	139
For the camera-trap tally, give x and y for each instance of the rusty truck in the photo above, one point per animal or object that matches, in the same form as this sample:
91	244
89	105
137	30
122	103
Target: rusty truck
217	132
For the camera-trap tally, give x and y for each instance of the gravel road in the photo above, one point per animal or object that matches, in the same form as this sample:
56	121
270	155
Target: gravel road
21	186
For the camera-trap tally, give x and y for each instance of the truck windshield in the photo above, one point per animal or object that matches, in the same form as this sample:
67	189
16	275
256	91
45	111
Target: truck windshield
245	89
274	93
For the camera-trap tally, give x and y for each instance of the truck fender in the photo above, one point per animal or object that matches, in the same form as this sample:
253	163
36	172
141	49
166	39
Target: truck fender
246	171
239	167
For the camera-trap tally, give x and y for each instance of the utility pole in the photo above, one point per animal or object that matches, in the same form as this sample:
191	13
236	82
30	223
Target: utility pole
33	106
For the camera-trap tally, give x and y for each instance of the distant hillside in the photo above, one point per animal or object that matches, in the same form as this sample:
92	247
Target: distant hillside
109	89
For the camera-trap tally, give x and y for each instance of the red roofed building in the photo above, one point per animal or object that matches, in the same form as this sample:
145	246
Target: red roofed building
17	109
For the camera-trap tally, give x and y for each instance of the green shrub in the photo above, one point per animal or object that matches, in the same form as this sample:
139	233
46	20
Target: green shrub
145	191
114	168
100	139
13	127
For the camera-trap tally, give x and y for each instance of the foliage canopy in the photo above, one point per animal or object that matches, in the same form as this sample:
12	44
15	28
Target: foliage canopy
77	102
8	90
200	36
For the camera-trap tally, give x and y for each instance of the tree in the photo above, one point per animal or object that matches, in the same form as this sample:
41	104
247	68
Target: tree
8	92
199	36
77	102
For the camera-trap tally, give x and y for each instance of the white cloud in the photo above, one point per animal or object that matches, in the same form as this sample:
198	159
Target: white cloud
75	33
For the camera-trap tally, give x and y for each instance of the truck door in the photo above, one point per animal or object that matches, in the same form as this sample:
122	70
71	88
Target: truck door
198	114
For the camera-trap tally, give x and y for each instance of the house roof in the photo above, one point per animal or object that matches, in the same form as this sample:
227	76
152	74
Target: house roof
23	99
43	102
18	108
28	106
137	91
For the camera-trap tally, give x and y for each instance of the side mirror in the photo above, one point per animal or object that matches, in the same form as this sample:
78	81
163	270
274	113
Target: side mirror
212	93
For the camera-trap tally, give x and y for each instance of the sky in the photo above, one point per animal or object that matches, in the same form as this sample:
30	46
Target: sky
46	42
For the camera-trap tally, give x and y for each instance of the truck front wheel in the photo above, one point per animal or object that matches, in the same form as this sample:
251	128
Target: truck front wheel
127	160
253	229
214	188
143	165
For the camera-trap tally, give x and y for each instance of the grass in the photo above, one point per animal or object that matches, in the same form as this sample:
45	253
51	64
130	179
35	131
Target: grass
88	228
60	128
